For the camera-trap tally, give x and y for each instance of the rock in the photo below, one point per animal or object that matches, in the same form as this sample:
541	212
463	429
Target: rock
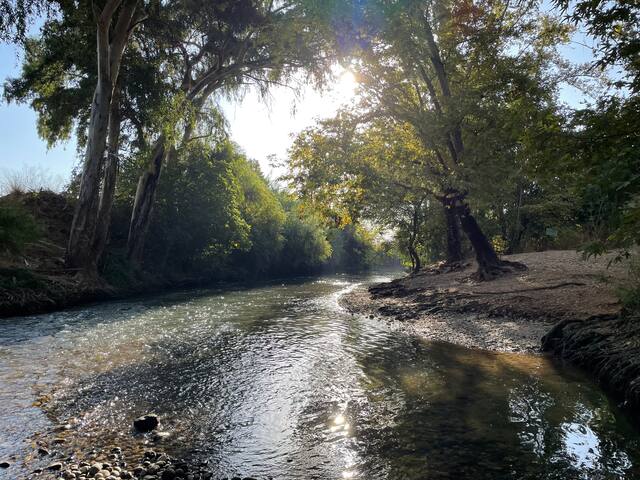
5	464
95	468
43	451
146	423
68	475
58	441
55	466
168	474
139	471
160	436
62	428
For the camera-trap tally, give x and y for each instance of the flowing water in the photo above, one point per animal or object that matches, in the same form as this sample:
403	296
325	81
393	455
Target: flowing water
279	381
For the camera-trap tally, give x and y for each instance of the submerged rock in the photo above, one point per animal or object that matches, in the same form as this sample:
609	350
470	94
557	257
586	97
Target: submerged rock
146	423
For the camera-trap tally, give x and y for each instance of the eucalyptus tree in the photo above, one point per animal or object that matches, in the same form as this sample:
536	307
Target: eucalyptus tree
221	47
105	28
59	78
114	22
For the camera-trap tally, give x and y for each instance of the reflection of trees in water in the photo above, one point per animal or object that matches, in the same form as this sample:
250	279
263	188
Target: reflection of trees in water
474	414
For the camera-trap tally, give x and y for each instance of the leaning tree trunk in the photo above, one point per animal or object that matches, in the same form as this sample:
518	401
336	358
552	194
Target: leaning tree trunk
454	244
109	180
489	265
143	204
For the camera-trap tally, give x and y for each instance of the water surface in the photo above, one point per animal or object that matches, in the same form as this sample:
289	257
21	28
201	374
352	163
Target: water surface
279	381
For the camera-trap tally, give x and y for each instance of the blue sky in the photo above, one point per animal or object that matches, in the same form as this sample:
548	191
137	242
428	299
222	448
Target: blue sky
261	128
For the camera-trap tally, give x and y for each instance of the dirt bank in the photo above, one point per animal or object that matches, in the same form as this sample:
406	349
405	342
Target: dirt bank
562	304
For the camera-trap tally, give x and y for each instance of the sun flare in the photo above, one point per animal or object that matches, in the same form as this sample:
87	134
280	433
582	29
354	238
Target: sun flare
346	85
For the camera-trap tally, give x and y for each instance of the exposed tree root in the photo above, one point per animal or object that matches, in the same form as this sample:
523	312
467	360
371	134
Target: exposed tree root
444	267
491	272
523	290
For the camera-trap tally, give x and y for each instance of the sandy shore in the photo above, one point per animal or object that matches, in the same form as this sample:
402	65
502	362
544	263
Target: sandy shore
474	330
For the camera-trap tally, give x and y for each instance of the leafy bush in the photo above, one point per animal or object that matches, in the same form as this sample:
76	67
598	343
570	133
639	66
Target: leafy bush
306	247
197	220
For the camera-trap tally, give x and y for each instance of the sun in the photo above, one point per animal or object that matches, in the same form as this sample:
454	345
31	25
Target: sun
346	85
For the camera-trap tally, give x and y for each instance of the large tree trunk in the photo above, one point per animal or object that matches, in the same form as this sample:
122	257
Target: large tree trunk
109	180
110	41
143	204
454	245
79	248
489	265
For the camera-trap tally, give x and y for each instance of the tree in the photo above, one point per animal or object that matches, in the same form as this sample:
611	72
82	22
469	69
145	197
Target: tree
221	46
445	69
376	171
114	24
58	79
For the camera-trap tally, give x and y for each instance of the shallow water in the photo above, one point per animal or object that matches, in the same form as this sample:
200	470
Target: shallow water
279	381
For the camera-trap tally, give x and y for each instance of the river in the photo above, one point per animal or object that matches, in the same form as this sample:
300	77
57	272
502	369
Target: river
279	381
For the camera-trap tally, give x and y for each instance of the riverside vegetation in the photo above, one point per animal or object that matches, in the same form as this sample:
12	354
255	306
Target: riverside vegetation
457	156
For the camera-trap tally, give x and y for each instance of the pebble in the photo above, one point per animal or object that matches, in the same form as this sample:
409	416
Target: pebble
146	423
151	465
5	464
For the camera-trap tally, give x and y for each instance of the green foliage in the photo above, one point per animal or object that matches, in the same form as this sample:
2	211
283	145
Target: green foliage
605	146
353	249
198	221
262	211
615	24
306	248
17	227
17	15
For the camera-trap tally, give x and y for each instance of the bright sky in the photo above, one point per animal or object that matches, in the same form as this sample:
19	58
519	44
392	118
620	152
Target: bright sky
261	128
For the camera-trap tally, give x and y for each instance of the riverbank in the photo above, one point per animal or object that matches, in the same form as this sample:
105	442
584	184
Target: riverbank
24	292
561	304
